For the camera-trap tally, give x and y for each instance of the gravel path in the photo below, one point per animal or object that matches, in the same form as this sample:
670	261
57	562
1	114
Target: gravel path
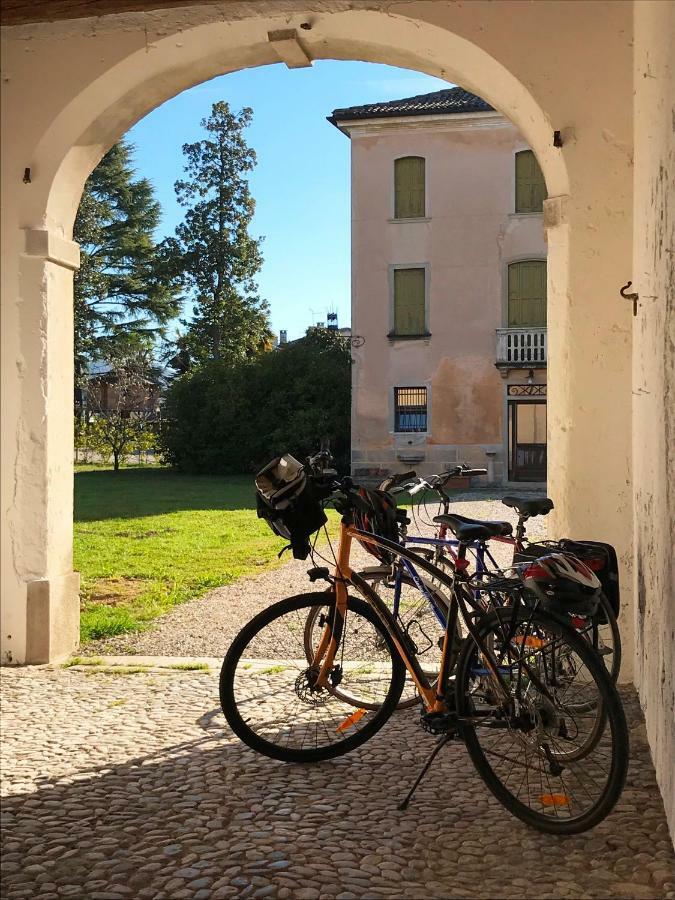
117	787
206	627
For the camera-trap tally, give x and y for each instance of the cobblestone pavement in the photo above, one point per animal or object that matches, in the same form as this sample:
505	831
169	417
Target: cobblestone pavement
205	627
130	786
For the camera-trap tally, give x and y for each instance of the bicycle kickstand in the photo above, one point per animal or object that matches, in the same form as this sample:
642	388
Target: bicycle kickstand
440	743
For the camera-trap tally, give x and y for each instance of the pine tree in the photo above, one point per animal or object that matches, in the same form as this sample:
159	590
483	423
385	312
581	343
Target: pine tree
217	255
123	291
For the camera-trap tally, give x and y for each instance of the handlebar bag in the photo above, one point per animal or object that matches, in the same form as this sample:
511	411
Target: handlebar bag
288	501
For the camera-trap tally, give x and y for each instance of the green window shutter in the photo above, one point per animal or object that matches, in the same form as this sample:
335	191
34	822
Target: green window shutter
409	315
527	294
530	185
409	200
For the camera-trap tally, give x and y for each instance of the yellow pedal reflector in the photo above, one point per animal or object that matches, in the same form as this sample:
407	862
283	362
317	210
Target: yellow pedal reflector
554	800
530	641
351	720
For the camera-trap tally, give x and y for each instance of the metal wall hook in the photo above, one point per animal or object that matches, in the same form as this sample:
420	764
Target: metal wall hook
634	297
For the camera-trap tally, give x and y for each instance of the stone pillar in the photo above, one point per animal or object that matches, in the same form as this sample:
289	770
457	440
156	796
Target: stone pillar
589	383
40	608
653	276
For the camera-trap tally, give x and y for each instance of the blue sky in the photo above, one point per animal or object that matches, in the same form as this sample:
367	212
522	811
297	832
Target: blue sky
301	183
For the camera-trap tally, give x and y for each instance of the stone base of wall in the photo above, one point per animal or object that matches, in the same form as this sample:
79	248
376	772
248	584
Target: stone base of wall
429	459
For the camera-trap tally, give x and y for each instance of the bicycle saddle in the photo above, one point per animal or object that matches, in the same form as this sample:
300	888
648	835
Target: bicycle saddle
528	506
466	529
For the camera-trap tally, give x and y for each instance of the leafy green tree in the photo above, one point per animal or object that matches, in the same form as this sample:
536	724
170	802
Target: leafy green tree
123	407
235	415
213	247
124	291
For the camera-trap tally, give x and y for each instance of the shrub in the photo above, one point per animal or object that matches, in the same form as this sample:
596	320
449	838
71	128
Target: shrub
227	417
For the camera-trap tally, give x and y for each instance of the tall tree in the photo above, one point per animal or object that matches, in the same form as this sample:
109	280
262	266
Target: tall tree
217	255
124	293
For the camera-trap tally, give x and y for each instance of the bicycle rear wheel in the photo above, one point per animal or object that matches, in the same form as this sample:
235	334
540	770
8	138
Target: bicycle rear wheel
556	753
267	685
602	633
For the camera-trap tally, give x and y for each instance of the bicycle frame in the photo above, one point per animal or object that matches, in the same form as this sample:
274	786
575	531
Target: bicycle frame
432	697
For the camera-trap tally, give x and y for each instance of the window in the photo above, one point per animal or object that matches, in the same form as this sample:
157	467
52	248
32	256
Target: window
530	185
409	302
410	409
409	201
527	294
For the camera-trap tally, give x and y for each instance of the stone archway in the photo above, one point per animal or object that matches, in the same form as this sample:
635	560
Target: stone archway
127	65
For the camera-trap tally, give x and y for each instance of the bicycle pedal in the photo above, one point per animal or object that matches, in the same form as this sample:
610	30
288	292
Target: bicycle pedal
439	723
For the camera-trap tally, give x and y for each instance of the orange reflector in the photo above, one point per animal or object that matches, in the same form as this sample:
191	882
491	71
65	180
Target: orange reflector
554	800
351	720
530	641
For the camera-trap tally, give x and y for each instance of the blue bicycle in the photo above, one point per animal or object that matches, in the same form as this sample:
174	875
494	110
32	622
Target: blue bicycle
420	605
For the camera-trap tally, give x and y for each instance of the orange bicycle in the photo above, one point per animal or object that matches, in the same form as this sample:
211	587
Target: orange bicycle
533	704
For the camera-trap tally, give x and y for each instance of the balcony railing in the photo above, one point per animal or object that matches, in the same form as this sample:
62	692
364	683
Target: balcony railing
521	347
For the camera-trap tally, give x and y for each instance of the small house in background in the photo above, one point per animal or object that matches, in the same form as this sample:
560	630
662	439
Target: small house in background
103	394
448	289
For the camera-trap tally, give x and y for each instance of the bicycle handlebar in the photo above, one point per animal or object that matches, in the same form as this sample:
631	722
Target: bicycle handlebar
320	467
435	482
392	481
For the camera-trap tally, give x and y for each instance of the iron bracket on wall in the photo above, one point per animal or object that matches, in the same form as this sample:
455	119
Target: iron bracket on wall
632	297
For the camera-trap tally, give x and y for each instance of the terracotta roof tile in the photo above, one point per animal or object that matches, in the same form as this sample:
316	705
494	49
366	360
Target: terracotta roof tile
451	101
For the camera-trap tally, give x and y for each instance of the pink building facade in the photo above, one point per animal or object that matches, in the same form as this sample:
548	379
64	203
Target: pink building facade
448	290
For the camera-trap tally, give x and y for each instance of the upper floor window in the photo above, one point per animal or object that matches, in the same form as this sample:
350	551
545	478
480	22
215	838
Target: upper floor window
410	302
409	199
527	294
410	409
530	184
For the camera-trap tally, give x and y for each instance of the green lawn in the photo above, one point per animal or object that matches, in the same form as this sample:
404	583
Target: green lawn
148	538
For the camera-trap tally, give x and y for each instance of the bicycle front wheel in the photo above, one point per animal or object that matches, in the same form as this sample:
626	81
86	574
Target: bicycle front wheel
421	616
268	691
555	753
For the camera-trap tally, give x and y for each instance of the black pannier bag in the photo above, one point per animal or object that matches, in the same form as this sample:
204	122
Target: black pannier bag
290	502
600	559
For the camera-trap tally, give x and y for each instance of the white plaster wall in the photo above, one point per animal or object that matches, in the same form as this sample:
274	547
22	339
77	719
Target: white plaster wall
70	90
466	240
654	383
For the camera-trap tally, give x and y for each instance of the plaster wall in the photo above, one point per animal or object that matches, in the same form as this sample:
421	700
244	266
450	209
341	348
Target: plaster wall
654	383
466	240
70	90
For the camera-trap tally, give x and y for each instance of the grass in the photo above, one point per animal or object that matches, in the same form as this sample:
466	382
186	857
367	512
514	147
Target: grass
190	667
273	670
147	538
119	670
82	661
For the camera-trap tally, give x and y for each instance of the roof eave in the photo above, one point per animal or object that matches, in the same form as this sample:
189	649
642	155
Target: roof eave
336	123
346	125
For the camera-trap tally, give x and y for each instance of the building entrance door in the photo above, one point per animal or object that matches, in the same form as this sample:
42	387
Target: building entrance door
527	438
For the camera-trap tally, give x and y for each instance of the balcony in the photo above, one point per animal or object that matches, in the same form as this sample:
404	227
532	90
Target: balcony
521	348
